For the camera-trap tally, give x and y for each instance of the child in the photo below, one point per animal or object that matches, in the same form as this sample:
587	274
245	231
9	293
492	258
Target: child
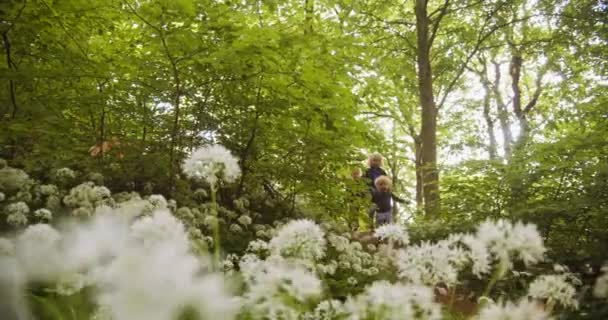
374	170
382	197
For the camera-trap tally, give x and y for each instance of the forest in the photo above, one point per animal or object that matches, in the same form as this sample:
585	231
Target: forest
214	159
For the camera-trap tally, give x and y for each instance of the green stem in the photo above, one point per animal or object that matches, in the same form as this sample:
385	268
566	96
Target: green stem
496	275
216	230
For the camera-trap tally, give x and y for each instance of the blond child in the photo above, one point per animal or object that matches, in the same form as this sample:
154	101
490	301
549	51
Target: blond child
382	197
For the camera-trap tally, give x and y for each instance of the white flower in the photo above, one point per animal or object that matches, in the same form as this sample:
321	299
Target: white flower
158	201
17	208
352	281
2	197
17	219
65	174
392	232
601	285
302	239
274	281
479	255
554	288
431	264
244	220
340	243
37	250
48	189
160	228
43	214
523	310
383	300
211	163
505	240
257	246
235	228
327	310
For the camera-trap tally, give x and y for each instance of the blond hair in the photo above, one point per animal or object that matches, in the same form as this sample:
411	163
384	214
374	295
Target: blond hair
383	180
374	156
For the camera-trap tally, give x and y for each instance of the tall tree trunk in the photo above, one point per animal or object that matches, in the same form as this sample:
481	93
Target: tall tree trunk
428	132
503	113
487	86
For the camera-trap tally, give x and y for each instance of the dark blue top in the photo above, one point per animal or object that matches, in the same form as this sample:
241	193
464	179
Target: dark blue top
372	174
382	200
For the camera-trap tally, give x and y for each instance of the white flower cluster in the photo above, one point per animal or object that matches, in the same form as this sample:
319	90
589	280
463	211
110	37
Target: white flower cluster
17	214
13	180
43	214
212	163
503	241
523	310
393	233
554	289
301	239
274	281
383	300
431	264
85	197
258	246
327	310
2	196
128	264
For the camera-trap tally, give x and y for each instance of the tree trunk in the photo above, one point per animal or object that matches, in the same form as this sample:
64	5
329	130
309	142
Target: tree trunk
487	86
428	132
503	113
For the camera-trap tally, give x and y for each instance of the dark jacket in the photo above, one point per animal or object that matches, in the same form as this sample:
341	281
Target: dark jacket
371	174
383	200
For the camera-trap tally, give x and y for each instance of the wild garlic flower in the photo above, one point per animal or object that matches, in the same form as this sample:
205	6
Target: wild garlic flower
86	197
17	219
601	285
523	310
383	300
257	246
301	239
157	201
272	283
212	163
37	250
340	243
327	310
235	228
431	264
159	229
48	189
13	180
505	241
393	233
554	289
43	214
244	220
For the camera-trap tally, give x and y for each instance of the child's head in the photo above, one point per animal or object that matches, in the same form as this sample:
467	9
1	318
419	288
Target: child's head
383	184
375	160
356	173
